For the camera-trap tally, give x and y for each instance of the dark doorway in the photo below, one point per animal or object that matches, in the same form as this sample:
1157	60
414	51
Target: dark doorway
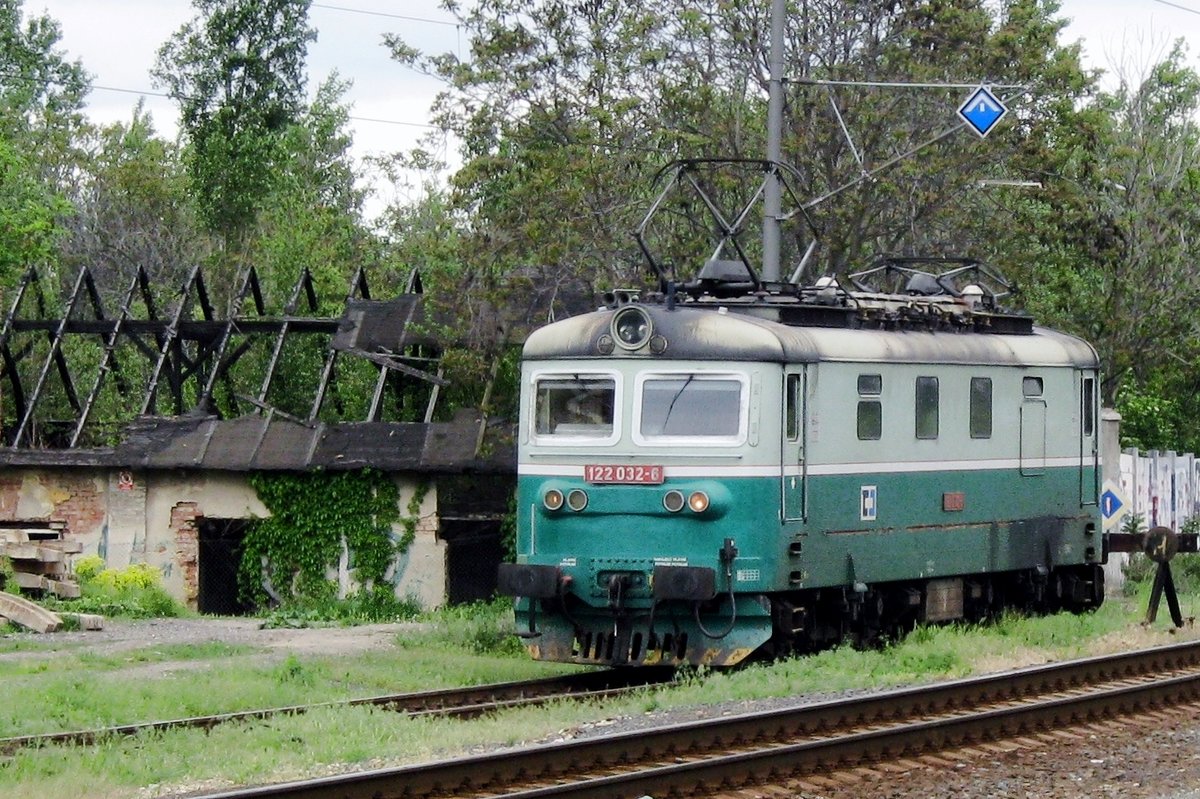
471	513
473	553
220	553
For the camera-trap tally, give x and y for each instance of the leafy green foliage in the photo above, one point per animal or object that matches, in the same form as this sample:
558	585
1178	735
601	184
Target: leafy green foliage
134	592
28	213
132	208
566	111
8	576
311	217
1113	240
508	531
41	98
237	72
312	517
87	567
1152	419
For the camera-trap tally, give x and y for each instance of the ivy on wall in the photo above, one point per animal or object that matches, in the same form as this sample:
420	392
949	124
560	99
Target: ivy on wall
311	515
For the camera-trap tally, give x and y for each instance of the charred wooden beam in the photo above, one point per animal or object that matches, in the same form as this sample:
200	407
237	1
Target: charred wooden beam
53	357
249	286
305	283
169	343
359	288
108	359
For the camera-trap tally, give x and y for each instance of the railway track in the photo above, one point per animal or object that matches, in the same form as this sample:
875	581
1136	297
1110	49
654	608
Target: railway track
458	702
730	754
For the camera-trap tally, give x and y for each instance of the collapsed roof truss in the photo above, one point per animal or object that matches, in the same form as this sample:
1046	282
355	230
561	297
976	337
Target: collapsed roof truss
185	359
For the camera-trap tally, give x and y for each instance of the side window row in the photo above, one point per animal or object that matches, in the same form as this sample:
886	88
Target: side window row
870	406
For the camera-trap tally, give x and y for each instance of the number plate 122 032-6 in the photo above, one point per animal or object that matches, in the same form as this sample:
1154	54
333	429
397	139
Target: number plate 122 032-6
610	473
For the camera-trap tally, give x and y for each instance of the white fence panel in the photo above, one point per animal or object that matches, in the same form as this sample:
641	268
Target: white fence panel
1162	487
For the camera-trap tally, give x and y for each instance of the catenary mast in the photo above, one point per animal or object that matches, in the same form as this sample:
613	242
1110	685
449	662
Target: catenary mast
772	195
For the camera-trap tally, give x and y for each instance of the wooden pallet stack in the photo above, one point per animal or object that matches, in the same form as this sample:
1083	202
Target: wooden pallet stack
39	558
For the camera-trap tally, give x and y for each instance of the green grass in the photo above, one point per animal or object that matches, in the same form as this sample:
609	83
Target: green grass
98	691
23	643
456	647
90	661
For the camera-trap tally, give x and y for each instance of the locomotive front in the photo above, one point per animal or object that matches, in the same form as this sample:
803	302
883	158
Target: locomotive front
642	429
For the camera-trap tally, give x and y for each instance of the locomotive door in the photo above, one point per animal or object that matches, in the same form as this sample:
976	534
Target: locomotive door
793	445
1089	440
1033	427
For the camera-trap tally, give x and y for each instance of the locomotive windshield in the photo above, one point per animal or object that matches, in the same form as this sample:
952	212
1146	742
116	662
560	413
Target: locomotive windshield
690	406
576	406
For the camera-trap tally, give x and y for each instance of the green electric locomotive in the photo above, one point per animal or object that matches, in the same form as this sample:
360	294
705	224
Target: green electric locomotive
709	472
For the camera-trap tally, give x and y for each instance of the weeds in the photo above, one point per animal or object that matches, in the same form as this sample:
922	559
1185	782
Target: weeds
8	575
362	607
134	592
481	628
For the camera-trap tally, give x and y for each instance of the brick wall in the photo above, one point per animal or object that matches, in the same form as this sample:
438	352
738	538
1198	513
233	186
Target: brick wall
187	548
76	498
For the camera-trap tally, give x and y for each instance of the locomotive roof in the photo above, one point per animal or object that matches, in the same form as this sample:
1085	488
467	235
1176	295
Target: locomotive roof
716	335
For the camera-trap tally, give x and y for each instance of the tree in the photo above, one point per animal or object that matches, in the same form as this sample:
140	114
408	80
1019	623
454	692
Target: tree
924	203
237	72
567	109
312	217
41	96
40	101
312	220
1111	244
131	209
29	211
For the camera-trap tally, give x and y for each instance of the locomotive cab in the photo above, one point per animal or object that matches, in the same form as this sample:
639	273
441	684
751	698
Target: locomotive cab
644	525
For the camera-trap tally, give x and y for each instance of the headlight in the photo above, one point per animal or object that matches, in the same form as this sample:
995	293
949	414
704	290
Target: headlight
673	501
631	327
553	499
698	502
577	499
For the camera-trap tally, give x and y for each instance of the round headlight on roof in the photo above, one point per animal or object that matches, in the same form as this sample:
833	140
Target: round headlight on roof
631	327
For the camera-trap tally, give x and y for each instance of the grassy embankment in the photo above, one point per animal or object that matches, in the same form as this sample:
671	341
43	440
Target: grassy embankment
76	689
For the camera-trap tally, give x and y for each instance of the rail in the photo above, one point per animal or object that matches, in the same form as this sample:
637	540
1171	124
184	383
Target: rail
732	753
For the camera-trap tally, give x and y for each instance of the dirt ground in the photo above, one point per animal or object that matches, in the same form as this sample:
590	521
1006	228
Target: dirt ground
124	635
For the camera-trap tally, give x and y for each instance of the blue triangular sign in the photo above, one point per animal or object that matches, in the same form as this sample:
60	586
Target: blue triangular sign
982	110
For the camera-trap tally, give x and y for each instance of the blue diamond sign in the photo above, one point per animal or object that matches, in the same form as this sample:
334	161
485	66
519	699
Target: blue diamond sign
982	110
1113	504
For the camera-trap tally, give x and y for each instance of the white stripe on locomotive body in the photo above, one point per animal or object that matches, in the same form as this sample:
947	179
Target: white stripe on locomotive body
718	471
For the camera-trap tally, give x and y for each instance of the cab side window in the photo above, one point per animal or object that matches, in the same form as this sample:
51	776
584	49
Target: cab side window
870	407
794	398
981	407
1089	406
927	407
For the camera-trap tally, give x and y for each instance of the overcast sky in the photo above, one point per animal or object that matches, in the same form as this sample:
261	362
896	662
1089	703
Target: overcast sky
117	41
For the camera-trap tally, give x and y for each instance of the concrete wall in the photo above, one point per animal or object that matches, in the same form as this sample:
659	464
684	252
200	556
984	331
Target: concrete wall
420	572
151	517
1164	487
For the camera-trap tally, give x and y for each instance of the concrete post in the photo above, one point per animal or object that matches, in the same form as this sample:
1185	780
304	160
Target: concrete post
1110	457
